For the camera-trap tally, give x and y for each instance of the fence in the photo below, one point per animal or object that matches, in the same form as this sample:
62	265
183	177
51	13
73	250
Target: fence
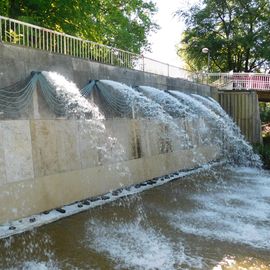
32	36
235	81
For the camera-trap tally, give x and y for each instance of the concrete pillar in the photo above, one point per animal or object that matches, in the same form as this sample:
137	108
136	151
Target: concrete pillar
243	107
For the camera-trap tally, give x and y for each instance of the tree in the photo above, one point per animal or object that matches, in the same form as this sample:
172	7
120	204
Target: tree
124	24
4	7
235	31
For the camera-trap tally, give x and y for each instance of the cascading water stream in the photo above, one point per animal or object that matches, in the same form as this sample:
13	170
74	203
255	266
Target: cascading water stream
214	126
91	123
180	112
216	108
198	222
124	101
237	150
211	104
69	95
141	106
170	104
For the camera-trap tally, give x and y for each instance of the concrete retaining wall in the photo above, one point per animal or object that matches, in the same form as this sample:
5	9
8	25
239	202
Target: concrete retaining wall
47	162
18	62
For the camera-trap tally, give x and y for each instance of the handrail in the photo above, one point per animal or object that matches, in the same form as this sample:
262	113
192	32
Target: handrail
32	36
235	81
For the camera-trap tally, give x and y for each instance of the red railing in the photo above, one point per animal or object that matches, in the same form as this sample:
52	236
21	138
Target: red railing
237	81
250	81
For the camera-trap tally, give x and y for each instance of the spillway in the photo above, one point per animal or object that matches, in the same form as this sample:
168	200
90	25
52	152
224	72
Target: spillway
163	180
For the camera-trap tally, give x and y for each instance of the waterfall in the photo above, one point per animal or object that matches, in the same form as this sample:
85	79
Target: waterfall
236	149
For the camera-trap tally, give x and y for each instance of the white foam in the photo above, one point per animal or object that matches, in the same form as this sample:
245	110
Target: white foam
237	211
226	133
33	265
227	261
134	246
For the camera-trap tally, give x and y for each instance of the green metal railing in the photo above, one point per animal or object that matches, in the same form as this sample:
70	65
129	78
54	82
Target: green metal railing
32	36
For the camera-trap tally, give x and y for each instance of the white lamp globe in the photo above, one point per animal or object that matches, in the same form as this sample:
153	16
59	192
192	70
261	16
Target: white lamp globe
205	50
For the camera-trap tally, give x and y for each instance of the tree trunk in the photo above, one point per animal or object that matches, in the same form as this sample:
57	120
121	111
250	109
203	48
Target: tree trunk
247	60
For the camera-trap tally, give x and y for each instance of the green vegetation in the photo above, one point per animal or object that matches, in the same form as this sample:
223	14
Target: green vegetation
124	24
265	112
235	31
264	149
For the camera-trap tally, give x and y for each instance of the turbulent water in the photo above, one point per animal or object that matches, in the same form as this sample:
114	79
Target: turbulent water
76	105
214	126
216	219
236	149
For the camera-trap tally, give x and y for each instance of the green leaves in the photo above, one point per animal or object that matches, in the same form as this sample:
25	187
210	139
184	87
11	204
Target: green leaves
235	31
120	23
4	6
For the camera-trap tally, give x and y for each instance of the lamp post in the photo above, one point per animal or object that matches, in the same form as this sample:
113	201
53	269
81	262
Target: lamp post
207	51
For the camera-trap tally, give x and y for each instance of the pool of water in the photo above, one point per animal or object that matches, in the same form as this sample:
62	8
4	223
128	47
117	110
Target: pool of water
217	219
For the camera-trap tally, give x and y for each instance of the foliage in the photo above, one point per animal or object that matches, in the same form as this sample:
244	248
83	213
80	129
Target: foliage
124	24
13	36
4	7
265	111
235	31
264	151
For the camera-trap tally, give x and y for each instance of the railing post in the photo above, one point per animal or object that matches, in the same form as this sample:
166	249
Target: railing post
65	44
0	30
56	42
111	52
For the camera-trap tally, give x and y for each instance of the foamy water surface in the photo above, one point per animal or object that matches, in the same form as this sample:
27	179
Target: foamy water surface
218	219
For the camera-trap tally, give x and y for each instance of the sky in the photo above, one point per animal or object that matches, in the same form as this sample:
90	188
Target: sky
171	27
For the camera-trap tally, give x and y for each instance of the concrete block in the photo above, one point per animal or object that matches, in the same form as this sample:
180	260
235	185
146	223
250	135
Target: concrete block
91	135
17	150
44	142
67	141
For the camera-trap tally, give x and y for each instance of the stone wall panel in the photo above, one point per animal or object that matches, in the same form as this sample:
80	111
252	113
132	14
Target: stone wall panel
17	150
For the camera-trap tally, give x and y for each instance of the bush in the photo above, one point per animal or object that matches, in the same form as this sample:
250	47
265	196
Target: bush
265	116
265	111
264	151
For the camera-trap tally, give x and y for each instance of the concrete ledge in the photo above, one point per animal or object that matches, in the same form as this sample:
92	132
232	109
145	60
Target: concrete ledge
36	195
30	222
